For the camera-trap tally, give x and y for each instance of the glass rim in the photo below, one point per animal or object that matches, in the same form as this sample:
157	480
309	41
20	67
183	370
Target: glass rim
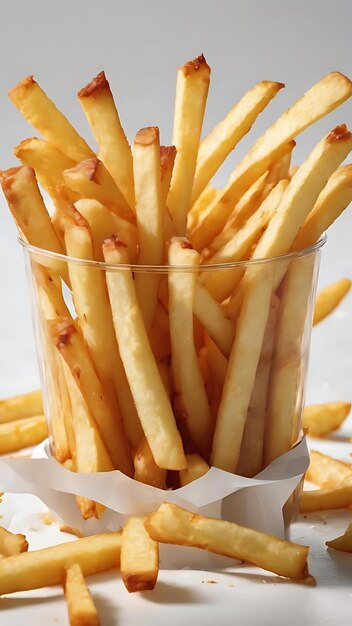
164	269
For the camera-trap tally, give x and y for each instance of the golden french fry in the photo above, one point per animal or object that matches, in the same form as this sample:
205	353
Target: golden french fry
172	524
322	98
90	179
218	363
150	213
187	377
12	544
210	314
214	149
329	298
154	409
18	407
145	469
80	605
114	151
191	95
196	467
196	212
160	334
344	542
325	471
42	113
325	499
167	160
103	223
22	433
46	567
70	345
322	419
139	556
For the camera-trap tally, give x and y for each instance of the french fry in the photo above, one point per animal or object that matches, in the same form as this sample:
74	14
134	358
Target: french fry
18	407
209	313
139	556
47	161
167	160
214	149
42	113
186	373
150	213
114	151
196	467
154	409
191	95
70	345
80	605
102	223
145	469
12	544
46	567
322	419
320	100
172	524
90	179
22	433
325	499
218	363
327	472
30	214
160	334
329	298
344	542
201	204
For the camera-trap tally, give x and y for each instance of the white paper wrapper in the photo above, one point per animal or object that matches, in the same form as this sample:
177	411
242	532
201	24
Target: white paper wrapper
253	502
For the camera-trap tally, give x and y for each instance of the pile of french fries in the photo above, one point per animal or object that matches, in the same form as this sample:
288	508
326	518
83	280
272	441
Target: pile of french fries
186	344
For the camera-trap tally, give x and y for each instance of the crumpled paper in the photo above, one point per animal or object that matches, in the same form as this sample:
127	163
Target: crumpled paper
253	502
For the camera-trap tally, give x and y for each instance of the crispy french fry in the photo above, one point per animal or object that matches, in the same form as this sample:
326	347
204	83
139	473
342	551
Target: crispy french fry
344	542
218	363
12	544
70	345
201	204
22	433
167	160
210	314
103	223
42	113
322	419
214	149
160	334
150	213
325	471
47	161
80	605
114	151
46	567
196	467
186	373
322	98
145	469
90	179
139	556
172	524
154	409
191	95
18	407
325	499
329	298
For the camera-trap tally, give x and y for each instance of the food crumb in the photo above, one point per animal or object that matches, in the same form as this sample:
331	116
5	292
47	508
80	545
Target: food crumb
211	582
72	531
48	519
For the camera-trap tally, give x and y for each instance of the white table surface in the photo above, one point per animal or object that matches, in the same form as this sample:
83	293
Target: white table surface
245	596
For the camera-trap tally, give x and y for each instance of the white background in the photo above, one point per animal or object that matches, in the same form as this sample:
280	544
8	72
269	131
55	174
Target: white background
140	44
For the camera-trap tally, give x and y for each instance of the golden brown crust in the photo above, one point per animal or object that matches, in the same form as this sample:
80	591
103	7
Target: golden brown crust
98	84
340	133
197	64
185	243
167	157
88	168
61	330
273	82
114	242
24	84
147	136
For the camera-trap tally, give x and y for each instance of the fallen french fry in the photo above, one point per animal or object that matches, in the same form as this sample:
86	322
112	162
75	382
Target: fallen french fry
196	467
172	524
325	471
329	298
18	407
322	419
344	542
114	151
325	499
139	556
22	433
145	469
80	605
12	544
46	567
154	409
191	96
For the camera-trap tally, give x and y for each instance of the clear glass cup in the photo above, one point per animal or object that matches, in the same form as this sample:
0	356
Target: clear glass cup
251	343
